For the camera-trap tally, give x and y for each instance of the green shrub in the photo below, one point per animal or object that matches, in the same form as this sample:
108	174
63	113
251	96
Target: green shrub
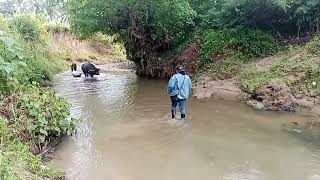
224	51
57	28
314	45
23	62
119	50
250	43
49	114
29	27
11	64
286	18
16	160
105	40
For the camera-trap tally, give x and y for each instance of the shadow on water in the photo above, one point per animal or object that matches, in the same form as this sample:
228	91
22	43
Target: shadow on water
126	134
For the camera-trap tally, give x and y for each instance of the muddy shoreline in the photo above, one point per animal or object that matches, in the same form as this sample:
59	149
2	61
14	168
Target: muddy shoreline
277	98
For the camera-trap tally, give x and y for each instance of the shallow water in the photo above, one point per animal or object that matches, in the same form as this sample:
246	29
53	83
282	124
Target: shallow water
126	134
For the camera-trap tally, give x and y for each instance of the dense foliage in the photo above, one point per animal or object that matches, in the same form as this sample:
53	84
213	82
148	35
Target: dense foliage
223	51
244	41
31	118
29	27
48	115
145	27
15	158
25	55
149	28
284	17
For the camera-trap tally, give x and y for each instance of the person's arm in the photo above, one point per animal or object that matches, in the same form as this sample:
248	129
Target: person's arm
171	84
190	85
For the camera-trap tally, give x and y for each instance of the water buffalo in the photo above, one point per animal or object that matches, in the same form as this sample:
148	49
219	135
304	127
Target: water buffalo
90	69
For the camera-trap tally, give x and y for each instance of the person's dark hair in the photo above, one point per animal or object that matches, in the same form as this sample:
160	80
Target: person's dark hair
180	69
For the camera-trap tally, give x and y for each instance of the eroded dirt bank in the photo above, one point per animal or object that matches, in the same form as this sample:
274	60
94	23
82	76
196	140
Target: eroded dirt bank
285	82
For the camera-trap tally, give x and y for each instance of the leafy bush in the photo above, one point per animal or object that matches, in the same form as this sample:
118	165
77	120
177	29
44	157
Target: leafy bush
10	63
105	40
28	27
224	51
250	43
25	60
108	42
49	114
145	27
286	18
39	116
314	45
16	160
58	28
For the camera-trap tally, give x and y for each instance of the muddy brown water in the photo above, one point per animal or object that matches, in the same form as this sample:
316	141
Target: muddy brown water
126	134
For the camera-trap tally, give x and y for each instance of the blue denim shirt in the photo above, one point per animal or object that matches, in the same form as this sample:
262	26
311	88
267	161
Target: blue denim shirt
180	81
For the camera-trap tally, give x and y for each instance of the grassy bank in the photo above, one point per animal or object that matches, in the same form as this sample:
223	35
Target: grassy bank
17	161
223	52
292	78
32	118
270	75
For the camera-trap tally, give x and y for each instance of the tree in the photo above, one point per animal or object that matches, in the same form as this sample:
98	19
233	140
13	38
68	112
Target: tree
147	27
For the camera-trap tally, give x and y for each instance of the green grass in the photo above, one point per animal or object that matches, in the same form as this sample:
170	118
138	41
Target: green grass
26	61
223	52
300	71
314	45
17	161
253	80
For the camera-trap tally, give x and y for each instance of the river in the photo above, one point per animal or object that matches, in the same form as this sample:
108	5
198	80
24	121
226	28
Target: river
125	134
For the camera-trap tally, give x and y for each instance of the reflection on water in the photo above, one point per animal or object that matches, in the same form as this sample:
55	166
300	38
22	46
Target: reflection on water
126	135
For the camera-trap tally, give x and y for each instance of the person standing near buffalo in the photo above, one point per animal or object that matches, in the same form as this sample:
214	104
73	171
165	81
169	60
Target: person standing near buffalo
73	66
179	88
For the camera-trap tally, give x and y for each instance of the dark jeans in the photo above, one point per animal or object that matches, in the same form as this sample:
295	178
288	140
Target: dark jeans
181	102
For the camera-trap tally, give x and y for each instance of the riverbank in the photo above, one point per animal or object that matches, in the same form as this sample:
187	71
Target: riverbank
286	81
33	118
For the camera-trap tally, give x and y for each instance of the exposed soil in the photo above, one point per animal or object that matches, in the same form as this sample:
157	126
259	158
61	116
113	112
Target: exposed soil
275	96
223	89
189	56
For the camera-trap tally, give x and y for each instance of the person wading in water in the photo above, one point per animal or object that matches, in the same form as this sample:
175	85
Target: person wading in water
179	88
